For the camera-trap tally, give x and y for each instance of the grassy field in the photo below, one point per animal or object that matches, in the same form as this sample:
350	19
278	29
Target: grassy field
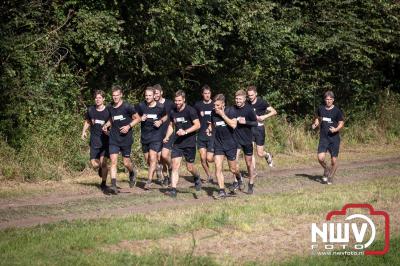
271	227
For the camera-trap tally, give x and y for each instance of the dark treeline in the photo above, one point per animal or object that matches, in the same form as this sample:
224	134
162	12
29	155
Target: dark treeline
54	54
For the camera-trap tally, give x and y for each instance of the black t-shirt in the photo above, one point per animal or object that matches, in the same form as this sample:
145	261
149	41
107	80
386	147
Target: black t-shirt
120	117
329	118
204	112
243	132
260	108
184	120
150	133
97	119
168	105
222	132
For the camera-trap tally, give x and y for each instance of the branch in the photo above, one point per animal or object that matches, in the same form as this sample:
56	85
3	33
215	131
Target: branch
71	12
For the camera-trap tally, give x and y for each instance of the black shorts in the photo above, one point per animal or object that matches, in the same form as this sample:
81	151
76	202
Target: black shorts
125	150
259	135
247	149
328	144
168	145
189	153
154	146
206	144
229	153
96	153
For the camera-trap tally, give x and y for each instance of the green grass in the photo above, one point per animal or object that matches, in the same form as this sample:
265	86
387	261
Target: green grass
87	242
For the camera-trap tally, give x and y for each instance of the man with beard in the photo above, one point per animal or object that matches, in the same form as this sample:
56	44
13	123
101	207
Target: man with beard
184	119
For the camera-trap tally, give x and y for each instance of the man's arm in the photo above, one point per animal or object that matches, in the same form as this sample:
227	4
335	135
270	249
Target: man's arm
169	132
86	126
195	127
271	112
338	128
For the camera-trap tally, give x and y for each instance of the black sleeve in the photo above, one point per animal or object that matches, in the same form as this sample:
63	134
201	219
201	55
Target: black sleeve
193	114
87	114
230	113
339	115
266	105
163	111
131	110
318	113
139	109
251	119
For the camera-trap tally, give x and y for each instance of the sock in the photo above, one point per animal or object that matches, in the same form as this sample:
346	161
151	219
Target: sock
239	178
222	190
114	182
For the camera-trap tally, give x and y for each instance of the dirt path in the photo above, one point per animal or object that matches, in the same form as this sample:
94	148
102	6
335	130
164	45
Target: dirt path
270	181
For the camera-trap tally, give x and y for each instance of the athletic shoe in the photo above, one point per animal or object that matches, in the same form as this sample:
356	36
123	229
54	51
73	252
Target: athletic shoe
147	186
172	193
210	180
132	178
113	190
103	186
250	189
221	195
197	183
324	180
330	180
165	182
237	186
268	158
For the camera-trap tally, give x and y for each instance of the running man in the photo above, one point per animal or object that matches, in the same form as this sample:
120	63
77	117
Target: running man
152	115
96	116
121	122
246	119
204	141
186	122
165	155
330	119
261	107
223	123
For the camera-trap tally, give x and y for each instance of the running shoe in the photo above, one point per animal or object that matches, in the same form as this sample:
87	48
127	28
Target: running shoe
221	195
148	184
330	180
250	189
165	182
171	193
197	183
113	190
268	158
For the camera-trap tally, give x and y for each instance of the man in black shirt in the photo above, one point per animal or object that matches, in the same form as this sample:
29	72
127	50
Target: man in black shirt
260	107
223	123
186	122
96	116
152	115
165	156
205	142
246	119
121	122
330	119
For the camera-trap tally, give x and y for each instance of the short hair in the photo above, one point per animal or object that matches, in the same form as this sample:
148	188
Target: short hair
219	97
205	88
157	87
149	88
116	88
240	93
252	88
99	92
180	93
329	94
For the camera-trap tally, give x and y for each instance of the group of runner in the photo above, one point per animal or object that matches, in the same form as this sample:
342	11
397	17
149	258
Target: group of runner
171	131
